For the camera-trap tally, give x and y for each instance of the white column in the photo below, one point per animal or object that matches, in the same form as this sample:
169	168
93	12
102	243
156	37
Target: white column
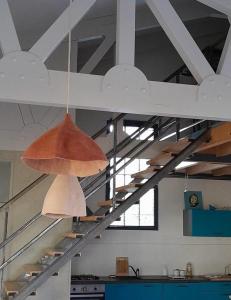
8	36
125	32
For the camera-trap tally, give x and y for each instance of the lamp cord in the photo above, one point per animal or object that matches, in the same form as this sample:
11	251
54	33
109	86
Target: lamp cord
69	58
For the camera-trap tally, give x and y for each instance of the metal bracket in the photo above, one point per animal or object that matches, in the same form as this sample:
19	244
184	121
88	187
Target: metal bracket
23	70
215	89
125	81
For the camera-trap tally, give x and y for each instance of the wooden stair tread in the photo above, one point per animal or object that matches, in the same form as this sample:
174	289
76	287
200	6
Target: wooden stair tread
161	159
33	269
107	203
12	287
218	136
202	168
55	252
90	218
177	147
130	188
146	174
222	171
74	235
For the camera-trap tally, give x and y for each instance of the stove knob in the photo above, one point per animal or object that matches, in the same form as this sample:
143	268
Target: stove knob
95	288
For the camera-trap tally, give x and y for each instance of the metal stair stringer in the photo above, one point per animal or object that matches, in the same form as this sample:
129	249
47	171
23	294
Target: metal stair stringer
92	230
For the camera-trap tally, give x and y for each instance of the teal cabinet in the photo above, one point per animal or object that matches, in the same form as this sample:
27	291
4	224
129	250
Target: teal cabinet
133	291
207	223
151	291
169	291
181	291
215	291
122	292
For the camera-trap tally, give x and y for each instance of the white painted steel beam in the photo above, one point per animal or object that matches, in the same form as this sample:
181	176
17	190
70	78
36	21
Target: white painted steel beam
98	54
86	92
224	66
181	38
8	36
223	6
59	29
125	32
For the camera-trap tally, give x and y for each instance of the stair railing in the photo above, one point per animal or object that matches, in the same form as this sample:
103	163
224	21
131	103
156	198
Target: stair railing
95	229
166	125
121	146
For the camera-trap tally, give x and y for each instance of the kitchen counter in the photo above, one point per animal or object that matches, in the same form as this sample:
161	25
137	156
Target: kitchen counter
143	279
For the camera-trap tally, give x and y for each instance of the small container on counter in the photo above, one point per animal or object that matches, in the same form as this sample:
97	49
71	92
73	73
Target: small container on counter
189	272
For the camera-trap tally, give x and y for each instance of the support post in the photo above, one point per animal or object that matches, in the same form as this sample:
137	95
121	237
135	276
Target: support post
8	36
125	32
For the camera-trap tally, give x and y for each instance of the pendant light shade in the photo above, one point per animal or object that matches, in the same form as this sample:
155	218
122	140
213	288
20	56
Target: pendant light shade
66	150
64	199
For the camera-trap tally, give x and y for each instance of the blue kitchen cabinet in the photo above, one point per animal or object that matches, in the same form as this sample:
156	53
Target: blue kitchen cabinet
151	291
213	296
122	292
148	291
181	291
207	223
215	291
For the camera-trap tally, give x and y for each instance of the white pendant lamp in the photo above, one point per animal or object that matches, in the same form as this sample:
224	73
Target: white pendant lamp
64	199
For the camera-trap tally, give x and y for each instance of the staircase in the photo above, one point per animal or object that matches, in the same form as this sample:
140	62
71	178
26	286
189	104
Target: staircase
91	227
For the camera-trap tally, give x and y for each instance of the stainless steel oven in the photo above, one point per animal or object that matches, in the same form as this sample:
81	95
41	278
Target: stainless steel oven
87	291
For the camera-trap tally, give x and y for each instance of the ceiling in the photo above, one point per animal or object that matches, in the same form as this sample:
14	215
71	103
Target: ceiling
42	13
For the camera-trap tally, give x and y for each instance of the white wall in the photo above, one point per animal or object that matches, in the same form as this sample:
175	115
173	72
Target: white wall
151	250
20	212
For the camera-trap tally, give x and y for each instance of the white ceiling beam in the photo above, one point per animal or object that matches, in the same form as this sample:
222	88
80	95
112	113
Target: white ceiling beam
8	36
223	6
59	29
98	54
181	38
163	99
224	66
125	32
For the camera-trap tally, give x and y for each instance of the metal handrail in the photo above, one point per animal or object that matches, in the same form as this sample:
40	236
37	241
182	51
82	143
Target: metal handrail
44	176
146	146
53	224
24	191
127	141
105	128
38	215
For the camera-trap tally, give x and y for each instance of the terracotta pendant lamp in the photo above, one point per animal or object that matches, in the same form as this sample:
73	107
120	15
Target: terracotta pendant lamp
64	199
65	149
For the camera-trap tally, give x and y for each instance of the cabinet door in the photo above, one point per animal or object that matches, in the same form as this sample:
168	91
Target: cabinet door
122	291
215	291
180	292
151	291
214	296
211	223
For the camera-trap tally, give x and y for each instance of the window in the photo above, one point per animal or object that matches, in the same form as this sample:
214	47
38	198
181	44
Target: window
131	126
143	214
